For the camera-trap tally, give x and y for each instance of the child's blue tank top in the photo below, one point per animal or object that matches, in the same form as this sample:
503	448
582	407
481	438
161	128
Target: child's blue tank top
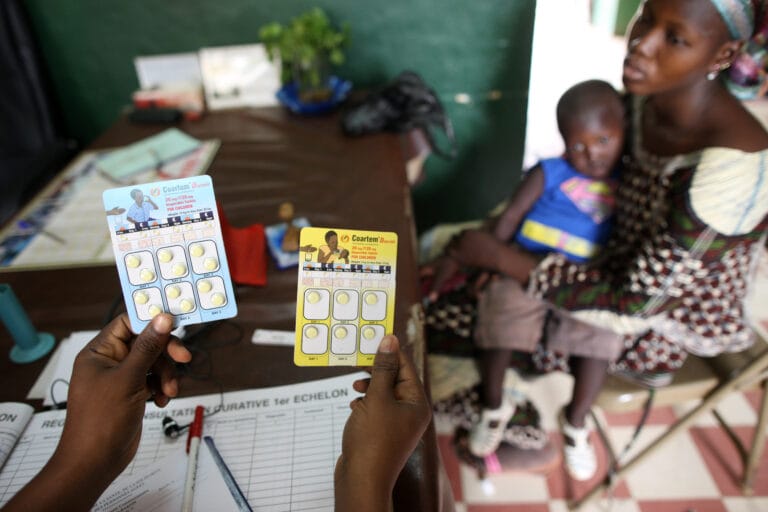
572	216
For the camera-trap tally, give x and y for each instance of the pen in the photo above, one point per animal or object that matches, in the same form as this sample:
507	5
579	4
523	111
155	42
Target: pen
226	474
193	447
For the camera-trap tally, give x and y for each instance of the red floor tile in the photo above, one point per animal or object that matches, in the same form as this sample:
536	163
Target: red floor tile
451	462
754	397
658	416
688	505
724	462
517	507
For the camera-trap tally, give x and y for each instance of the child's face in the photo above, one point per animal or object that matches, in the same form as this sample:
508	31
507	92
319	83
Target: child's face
593	145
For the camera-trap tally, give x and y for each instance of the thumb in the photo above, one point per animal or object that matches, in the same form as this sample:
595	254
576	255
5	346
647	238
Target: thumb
149	344
386	366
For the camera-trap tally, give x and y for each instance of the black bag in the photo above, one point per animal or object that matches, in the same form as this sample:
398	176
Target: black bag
402	105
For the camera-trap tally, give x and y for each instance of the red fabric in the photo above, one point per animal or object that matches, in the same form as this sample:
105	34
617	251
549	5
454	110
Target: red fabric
246	252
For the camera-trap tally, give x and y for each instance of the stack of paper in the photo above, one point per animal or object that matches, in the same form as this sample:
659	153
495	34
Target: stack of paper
148	154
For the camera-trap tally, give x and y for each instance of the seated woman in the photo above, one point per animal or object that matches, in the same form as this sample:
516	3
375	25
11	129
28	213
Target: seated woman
690	217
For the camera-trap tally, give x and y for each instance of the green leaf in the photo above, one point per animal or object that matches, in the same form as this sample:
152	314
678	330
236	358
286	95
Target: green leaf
306	44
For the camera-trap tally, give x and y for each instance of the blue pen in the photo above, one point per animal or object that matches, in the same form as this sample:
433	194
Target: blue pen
234	489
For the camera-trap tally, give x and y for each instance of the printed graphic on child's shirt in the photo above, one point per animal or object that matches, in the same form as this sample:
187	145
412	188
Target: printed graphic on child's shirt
594	198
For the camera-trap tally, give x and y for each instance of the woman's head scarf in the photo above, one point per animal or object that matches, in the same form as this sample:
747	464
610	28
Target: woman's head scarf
747	20
740	16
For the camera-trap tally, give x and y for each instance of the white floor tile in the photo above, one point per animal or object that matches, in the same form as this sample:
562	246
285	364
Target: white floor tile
675	471
734	408
460	507
741	504
555	20
503	488
623	505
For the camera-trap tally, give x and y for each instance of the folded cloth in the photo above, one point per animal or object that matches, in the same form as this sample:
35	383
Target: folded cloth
246	252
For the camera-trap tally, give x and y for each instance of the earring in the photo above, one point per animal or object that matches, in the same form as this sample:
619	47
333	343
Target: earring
713	74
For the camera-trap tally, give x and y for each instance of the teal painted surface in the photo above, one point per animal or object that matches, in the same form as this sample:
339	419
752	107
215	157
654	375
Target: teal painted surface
456	45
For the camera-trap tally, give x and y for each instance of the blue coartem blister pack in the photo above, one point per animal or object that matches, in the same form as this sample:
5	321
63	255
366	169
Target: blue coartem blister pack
169	251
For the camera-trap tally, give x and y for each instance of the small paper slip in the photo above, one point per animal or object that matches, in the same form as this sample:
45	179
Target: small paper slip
272	337
345	301
156	71
147	154
169	252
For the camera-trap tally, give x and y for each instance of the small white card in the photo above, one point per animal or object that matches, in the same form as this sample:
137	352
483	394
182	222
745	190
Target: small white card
273	337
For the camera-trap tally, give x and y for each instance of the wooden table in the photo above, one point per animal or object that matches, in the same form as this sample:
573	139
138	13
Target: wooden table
267	156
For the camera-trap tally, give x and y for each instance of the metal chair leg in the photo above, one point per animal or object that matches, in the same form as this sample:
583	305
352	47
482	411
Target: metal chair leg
758	443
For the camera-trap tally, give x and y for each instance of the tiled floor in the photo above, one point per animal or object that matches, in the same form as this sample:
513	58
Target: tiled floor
698	471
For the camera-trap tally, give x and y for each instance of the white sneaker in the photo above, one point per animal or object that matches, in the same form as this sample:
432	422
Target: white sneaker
580	457
486	435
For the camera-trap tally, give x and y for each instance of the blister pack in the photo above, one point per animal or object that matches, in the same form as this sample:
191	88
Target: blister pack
169	251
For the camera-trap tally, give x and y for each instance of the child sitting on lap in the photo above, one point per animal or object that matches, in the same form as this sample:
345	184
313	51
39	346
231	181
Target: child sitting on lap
564	204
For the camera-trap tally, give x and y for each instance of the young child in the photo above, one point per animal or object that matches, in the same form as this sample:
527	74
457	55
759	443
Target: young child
563	204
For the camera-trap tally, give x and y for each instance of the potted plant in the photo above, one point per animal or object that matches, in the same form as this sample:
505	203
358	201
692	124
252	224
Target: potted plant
307	46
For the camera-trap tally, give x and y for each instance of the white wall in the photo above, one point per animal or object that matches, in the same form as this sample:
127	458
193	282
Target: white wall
566	49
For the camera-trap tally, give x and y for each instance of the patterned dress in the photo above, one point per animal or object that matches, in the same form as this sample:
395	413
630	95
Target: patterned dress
674	276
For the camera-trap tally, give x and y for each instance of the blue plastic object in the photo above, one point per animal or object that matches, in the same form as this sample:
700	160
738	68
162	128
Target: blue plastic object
30	345
288	95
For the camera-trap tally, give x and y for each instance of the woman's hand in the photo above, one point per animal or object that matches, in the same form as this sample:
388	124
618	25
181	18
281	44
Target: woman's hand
441	271
113	377
381	433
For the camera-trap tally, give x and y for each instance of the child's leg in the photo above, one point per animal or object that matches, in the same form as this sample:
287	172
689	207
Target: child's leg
588	377
493	366
518	264
487	433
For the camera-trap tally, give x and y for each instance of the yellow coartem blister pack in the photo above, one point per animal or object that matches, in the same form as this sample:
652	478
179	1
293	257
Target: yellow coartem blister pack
346	295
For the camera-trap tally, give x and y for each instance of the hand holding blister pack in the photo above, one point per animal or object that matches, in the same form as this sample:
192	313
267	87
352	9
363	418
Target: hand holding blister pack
345	301
169	251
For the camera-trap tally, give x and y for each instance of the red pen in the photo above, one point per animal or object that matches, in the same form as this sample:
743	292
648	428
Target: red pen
193	446
196	428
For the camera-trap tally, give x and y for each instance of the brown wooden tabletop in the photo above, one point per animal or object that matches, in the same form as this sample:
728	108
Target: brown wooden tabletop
267	156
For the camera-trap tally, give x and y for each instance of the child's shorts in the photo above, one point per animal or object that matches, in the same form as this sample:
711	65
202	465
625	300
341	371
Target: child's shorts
508	318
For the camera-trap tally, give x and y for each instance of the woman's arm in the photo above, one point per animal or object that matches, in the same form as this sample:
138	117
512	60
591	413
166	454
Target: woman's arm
105	408
381	433
324	253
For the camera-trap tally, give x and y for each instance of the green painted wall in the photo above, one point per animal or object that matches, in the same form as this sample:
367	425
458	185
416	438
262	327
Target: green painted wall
459	46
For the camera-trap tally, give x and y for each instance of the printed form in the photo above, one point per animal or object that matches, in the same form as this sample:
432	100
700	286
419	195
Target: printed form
280	444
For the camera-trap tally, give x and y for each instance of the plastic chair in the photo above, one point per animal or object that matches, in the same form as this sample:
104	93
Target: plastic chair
708	379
